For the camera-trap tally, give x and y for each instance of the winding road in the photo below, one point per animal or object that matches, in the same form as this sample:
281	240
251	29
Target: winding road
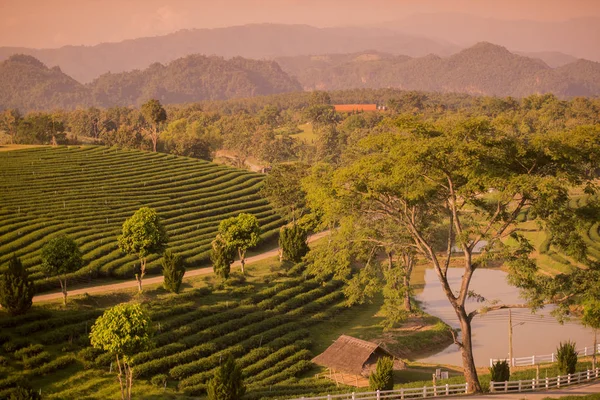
159	279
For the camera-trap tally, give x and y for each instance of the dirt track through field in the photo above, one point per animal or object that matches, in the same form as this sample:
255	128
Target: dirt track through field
158	279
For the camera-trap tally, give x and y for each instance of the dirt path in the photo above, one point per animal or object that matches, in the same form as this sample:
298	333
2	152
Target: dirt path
158	279
579	390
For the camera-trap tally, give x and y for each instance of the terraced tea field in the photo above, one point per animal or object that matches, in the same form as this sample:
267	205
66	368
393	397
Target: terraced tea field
262	322
88	192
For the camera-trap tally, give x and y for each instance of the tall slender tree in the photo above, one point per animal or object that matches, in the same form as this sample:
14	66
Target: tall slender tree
154	114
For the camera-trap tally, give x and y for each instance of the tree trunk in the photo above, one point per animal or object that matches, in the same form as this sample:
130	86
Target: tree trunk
120	376
140	276
407	305
154	137
63	288
470	371
242	255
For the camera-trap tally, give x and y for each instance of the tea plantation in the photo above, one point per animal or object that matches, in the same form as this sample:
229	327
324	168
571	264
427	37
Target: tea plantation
88	192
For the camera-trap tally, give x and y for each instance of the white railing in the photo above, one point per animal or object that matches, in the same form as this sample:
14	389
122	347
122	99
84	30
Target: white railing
530	385
547	358
398	394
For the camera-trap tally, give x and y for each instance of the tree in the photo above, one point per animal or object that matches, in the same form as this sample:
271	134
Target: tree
154	114
293	242
9	122
173	271
123	330
473	180
16	290
61	256
283	188
227	384
591	318
383	376
240	233
143	234
221	257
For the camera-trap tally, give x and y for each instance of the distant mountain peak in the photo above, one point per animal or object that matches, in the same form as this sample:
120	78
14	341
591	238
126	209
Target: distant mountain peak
487	47
26	60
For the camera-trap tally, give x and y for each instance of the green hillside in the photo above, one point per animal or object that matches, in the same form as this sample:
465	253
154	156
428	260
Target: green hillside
88	192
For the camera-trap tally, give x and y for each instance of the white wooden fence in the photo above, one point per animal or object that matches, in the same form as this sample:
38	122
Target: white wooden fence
532	360
398	394
530	385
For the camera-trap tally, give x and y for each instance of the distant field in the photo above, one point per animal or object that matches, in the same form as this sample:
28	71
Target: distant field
88	192
307	134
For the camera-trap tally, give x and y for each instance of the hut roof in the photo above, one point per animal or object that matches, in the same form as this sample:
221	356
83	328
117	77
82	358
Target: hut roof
348	354
355	107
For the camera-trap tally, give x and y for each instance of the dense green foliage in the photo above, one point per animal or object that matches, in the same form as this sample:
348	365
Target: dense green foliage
227	384
143	234
221	256
173	271
38	203
16	289
293	242
61	256
500	371
383	376
240	233
566	357
122	331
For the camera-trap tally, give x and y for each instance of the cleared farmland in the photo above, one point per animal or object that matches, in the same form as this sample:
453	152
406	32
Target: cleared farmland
88	192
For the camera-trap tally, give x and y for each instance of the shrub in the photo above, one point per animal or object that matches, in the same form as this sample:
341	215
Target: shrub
16	290
159	380
293	243
221	257
566	357
173	271
3	361
37	360
383	377
227	383
24	393
500	371
29	351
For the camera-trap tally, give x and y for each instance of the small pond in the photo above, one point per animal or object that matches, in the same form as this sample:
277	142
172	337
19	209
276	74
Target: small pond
534	334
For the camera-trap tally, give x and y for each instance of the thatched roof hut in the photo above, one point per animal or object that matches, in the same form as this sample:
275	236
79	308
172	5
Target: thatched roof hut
353	357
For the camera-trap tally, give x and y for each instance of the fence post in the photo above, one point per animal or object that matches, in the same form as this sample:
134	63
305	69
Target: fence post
587	374
558	381
512	362
585	351
568	379
401	393
378	394
491	386
552	357
532	360
506	386
424	391
466	387
491	362
546	382
447	390
533	384
519	386
353	396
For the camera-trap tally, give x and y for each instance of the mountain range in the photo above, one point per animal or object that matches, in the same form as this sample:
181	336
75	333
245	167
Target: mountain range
27	84
483	69
258	41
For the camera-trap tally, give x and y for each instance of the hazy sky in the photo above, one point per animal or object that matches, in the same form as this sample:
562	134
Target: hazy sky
54	23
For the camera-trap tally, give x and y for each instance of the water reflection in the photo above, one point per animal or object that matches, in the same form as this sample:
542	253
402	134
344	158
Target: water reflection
537	334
